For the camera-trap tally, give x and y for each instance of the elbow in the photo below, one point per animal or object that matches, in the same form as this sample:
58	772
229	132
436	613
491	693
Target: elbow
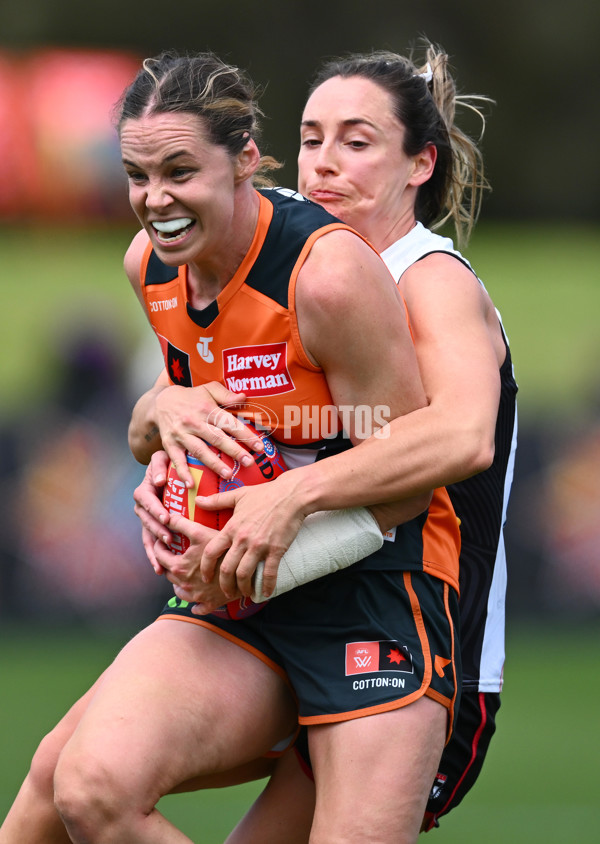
479	456
138	446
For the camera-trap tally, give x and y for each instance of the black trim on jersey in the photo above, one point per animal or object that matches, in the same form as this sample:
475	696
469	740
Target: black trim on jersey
294	220
205	316
480	530
460	258
157	272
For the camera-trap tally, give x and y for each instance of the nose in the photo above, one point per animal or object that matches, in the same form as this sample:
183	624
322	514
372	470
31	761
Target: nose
157	196
326	160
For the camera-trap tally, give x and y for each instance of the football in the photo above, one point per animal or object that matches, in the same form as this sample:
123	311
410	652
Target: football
266	466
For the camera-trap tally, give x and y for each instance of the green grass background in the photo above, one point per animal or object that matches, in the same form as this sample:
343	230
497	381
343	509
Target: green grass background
539	783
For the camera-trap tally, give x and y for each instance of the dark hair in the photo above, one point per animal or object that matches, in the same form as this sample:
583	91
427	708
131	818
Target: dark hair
425	101
201	84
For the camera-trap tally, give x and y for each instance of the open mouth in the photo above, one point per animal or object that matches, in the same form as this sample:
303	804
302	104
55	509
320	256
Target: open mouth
169	231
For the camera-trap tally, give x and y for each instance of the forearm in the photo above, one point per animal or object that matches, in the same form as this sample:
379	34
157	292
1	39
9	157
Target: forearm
143	434
414	454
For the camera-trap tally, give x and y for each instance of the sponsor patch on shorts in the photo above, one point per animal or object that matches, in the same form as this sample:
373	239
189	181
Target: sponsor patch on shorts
370	657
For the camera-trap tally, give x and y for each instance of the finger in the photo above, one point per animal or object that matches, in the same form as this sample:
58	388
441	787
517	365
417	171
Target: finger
213	551
221	420
199	449
220	500
203	609
178	458
148	541
158	468
165	557
197	533
223	396
228	571
152	525
183	593
271	568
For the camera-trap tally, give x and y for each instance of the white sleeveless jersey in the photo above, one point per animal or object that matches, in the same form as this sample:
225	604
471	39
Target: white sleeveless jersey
480	503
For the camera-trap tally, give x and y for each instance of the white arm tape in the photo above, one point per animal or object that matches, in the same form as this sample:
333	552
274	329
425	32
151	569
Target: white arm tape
328	541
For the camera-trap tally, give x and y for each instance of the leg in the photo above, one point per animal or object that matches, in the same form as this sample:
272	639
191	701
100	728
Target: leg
373	775
33	817
178	702
283	813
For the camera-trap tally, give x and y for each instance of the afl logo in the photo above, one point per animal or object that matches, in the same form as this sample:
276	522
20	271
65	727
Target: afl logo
263	418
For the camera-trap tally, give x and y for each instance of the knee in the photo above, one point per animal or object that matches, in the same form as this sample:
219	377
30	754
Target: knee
87	799
43	766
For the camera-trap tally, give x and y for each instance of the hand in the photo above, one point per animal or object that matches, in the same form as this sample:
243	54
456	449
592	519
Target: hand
265	521
149	507
183	570
190	418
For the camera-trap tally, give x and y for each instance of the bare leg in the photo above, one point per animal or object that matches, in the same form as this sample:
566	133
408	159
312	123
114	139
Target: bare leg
179	702
283	812
33	817
373	775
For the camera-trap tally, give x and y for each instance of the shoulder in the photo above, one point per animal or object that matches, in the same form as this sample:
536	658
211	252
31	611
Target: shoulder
338	267
133	257
441	274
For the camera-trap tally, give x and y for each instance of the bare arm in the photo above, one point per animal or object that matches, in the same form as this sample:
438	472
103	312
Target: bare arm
460	349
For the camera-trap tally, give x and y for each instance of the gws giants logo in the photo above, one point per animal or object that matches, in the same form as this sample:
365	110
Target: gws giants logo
257	370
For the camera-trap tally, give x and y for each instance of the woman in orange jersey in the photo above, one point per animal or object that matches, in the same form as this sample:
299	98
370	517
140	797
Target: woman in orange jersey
231	278
364	117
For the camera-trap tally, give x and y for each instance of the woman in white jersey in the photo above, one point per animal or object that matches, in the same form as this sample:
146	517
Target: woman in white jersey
365	116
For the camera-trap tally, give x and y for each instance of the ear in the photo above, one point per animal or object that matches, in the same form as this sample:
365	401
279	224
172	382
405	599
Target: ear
423	165
246	162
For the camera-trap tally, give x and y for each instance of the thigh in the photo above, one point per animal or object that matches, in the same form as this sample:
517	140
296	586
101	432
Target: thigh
178	702
373	774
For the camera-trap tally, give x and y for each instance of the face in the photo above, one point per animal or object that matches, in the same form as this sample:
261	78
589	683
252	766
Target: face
181	185
351	159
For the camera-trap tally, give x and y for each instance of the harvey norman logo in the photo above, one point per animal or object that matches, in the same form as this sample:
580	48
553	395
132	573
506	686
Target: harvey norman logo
257	370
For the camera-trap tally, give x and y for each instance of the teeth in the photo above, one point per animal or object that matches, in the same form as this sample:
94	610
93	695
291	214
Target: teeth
169	226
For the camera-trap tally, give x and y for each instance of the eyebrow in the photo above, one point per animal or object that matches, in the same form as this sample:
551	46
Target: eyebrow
349	121
165	160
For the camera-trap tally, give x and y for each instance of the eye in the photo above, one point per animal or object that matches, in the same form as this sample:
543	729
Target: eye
180	173
311	142
357	144
136	177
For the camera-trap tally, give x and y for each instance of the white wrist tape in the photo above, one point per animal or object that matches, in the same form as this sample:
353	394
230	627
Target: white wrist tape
328	541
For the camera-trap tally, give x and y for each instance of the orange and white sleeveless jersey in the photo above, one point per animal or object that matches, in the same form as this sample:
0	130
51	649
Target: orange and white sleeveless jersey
248	339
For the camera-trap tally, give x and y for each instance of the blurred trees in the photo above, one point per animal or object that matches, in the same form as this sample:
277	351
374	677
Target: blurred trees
536	58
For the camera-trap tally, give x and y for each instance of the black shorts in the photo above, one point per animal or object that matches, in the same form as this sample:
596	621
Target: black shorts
353	643
463	756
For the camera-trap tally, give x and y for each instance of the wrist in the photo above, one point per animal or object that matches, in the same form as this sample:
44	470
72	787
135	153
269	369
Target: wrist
314	488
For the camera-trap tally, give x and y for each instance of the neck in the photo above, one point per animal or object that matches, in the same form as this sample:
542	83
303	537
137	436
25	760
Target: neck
209	276
390	230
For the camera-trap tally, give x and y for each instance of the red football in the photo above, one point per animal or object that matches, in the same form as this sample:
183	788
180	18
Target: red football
267	466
